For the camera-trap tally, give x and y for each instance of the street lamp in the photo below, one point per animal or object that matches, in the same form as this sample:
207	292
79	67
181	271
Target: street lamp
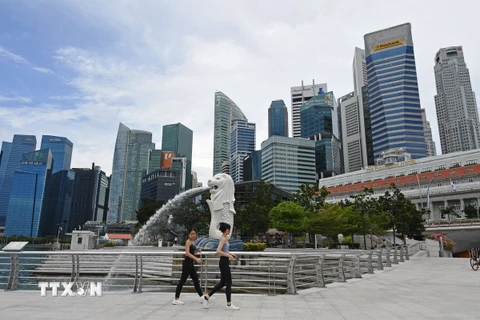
428	195
58	236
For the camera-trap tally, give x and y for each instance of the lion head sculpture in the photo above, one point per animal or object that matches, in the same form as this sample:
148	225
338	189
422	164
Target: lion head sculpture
222	190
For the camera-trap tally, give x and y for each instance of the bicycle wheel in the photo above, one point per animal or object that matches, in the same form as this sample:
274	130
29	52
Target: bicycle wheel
474	264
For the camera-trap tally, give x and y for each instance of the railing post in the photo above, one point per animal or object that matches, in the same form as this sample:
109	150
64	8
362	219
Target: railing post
206	272
77	274
356	268
13	279
401	254
72	275
320	278
369	262
406	252
291	287
141	275
395	259
388	263
379	260
135	281
341	273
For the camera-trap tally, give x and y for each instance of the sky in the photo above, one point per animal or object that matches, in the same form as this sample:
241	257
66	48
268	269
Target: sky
79	68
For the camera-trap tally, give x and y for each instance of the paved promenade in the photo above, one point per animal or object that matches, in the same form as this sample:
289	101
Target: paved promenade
422	288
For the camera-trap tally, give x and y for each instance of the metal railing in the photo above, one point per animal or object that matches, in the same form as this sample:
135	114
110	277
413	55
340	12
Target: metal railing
273	272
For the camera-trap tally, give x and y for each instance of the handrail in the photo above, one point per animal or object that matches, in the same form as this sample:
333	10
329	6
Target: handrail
267	271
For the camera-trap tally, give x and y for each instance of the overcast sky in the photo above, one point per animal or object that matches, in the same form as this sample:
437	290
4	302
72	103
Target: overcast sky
78	68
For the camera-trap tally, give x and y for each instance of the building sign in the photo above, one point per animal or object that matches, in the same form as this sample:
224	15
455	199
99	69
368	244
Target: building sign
390	165
167	159
386	45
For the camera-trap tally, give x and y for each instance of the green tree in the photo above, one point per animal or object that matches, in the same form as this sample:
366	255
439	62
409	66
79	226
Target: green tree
310	197
189	214
449	211
253	216
471	212
288	216
328	221
149	207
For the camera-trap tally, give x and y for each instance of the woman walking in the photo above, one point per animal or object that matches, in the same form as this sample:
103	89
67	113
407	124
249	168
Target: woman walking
188	269
225	274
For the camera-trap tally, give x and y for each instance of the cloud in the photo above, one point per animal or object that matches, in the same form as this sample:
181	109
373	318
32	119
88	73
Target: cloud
16	99
21	60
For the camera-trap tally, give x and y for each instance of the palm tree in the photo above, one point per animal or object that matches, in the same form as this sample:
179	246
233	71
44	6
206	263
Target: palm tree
449	210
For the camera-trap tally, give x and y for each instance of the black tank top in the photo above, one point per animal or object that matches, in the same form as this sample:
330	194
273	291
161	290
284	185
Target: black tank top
192	251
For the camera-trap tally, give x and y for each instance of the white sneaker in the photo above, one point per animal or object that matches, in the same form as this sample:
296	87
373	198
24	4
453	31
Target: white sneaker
205	302
177	302
232	307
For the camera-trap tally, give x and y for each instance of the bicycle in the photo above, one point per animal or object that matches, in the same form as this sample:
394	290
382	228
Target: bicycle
474	259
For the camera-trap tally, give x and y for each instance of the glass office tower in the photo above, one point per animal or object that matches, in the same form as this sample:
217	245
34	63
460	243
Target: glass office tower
21	144
242	144
278	119
394	102
61	149
26	213
178	139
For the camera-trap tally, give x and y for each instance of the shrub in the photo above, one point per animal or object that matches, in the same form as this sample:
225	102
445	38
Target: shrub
448	244
254	246
109	245
356	245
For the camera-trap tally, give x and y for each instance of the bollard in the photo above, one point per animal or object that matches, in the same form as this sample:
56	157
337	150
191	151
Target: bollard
401	254
319	268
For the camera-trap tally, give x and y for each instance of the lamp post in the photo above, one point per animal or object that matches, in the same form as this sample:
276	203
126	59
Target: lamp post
58	236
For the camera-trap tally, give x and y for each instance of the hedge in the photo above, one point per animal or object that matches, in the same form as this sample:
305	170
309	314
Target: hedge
254	246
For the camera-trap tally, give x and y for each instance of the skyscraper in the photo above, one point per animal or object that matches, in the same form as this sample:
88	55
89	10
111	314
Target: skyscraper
155	160
319	117
225	111
278	119
393	92
351	137
26	214
21	144
179	139
61	149
130	164
431	149
457	112
252	166
288	162
300	95
4	154
242	144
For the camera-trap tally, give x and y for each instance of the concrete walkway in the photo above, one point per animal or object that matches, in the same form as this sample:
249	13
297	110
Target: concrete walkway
422	288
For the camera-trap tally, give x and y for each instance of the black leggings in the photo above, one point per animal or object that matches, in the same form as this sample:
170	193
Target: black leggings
225	279
188	269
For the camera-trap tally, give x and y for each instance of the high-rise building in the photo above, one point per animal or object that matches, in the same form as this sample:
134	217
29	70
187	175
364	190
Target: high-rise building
242	144
101	196
252	166
278	119
457	112
180	166
155	160
300	95
161	185
4	154
351	136
130	164
20	145
61	149
394	101
431	149
319	117
368	129
194	179
26	214
288	162
225	112
59	202
179	139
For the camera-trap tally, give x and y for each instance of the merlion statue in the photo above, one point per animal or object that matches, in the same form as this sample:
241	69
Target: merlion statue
222	190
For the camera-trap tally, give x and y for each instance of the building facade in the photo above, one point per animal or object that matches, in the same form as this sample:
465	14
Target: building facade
130	164
394	101
252	166
4	154
300	95
242	143
178	139
457	112
161	185
319	117
432	183
20	145
351	136
155	160
427	130
288	162
26	214
225	112
360	81
61	149
278	119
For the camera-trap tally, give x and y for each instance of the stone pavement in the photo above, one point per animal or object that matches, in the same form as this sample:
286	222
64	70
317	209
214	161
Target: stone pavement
422	288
